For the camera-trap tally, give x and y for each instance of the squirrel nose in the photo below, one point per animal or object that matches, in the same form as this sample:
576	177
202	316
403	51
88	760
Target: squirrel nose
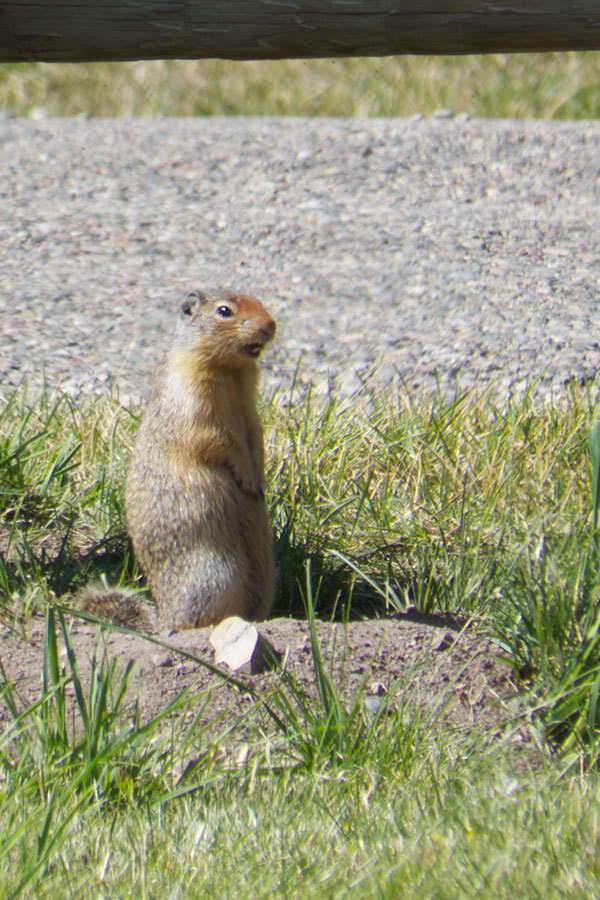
268	328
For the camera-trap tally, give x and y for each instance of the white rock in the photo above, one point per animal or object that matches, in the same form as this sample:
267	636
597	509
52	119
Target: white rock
241	646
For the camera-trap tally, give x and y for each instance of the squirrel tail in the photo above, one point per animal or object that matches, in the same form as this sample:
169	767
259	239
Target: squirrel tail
117	606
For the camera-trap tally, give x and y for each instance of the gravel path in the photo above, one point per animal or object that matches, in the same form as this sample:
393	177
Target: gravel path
390	251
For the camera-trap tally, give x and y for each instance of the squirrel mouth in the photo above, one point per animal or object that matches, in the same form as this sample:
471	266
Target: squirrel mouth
252	349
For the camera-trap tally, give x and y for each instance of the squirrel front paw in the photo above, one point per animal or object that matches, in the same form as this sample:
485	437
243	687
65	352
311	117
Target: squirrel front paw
247	486
250	490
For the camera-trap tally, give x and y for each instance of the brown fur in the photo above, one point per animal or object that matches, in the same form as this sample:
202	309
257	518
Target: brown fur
194	491
119	607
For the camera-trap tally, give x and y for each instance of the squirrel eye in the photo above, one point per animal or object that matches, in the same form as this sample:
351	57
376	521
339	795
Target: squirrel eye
225	311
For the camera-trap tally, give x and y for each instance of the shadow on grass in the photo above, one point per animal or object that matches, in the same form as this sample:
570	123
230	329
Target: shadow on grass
64	562
343	590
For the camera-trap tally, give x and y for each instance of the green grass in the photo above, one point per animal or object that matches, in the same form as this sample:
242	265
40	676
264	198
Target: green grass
550	86
449	829
460	504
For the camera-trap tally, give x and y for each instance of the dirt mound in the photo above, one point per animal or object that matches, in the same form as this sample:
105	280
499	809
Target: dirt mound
433	663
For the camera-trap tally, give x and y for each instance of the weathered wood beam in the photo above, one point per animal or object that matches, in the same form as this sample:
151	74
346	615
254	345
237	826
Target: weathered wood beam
78	30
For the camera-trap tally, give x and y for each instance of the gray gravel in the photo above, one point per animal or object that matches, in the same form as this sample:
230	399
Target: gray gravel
393	253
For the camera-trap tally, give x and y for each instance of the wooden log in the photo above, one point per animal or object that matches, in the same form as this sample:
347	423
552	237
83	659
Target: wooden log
80	30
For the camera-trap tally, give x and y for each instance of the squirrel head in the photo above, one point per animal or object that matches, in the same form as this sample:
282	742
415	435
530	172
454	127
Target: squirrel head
223	329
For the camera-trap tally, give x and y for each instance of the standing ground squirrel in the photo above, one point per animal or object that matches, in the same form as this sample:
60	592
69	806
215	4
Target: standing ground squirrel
194	494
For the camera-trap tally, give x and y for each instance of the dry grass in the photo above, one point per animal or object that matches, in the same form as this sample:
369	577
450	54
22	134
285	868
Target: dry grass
553	85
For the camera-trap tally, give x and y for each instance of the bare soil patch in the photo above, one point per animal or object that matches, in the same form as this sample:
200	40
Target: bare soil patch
432	663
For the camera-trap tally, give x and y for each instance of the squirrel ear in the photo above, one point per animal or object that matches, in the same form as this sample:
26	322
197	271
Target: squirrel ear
192	299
